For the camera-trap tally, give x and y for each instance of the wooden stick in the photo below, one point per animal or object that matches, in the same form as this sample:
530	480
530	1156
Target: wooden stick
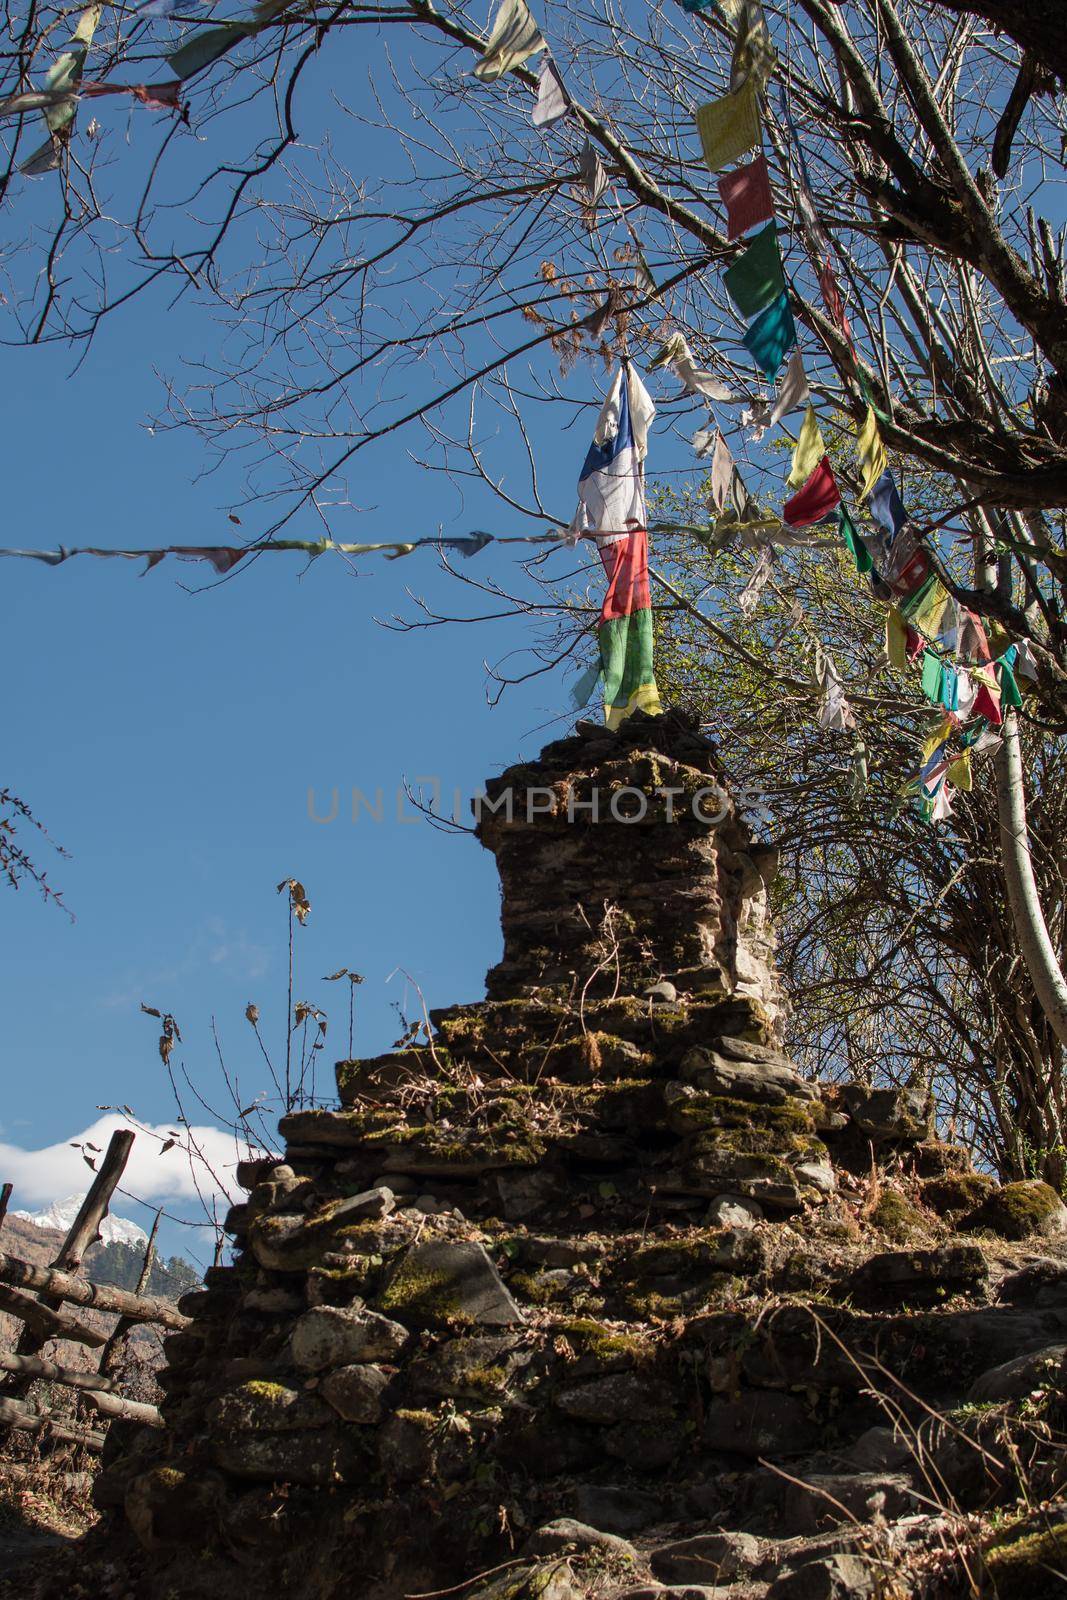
112	1352
62	1286
85	1229
37	1367
5	1196
113	1405
46	1323
13	1415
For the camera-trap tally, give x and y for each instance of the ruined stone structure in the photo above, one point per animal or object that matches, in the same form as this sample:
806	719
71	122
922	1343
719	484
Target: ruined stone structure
590	1291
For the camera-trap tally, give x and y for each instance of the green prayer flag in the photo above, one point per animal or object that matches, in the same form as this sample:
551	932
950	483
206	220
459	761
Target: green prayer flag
756	277
1009	689
933	672
851	535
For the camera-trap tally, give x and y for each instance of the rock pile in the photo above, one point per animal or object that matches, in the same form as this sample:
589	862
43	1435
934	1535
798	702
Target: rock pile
589	1291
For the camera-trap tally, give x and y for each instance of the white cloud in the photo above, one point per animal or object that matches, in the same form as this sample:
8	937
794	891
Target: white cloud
160	1177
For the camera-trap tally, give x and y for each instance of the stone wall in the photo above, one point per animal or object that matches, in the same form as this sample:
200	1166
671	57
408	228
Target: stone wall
591	1291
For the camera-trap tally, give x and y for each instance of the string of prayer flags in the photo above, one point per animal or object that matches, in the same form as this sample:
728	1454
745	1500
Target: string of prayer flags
809	450
793	390
932	676
819	496
611	509
553	101
223	558
771	337
756	278
514	37
873	456
729	127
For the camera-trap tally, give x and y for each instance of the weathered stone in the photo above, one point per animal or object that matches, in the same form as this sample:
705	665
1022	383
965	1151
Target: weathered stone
953	1267
316	1458
879	1449
826	1501
276	1301
760	1422
707	1558
1021	1211
616	1509
523	1194
734	1211
476	1369
838	1577
565	1535
769	1082
259	1407
890	1113
647	1447
619	1397
446	1283
335	1336
819	1174
1014	1380
416	1446
163	1503
356	1392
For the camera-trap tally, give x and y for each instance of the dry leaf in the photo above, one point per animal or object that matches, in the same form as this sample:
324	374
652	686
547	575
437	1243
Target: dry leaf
252	1012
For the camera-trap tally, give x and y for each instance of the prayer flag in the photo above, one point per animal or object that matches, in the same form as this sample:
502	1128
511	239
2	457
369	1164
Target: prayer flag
809	450
819	496
746	194
770	336
756	277
553	101
793	391
514	37
730	126
872	453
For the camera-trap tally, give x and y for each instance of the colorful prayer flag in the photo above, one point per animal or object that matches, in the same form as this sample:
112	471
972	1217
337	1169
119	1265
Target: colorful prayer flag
793	390
852	537
746	194
872	453
625	634
756	277
770	336
819	496
730	126
809	450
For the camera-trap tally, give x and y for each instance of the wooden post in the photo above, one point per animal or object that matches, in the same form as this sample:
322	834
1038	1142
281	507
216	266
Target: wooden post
60	1286
84	1231
44	1323
116	1344
39	1368
13	1415
5	1196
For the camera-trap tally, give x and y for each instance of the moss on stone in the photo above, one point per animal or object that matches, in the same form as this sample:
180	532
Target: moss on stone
898	1219
1034	1559
1017	1211
592	1339
701	1111
957	1193
417	1294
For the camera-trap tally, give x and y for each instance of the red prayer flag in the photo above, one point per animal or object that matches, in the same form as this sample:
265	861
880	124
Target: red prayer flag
987	706
832	298
160	96
746	194
626	563
819	496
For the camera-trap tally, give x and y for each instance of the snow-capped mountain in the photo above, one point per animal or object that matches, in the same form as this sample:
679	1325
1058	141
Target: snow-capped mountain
61	1213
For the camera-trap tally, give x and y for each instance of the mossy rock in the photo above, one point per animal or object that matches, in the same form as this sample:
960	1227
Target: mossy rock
607	1349
372	1075
1032	1564
957	1193
1019	1211
701	1111
897	1218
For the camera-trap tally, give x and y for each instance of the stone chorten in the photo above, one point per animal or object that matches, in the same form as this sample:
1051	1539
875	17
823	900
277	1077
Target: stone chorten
557	1259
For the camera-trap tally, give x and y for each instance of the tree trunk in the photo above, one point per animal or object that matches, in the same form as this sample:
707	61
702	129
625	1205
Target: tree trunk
1035	943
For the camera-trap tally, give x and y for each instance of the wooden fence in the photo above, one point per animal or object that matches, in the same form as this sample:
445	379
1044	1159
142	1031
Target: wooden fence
38	1298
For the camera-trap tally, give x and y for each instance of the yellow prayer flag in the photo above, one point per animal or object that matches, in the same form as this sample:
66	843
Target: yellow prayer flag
896	638
730	126
931	744
809	451
927	619
960	772
872	453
